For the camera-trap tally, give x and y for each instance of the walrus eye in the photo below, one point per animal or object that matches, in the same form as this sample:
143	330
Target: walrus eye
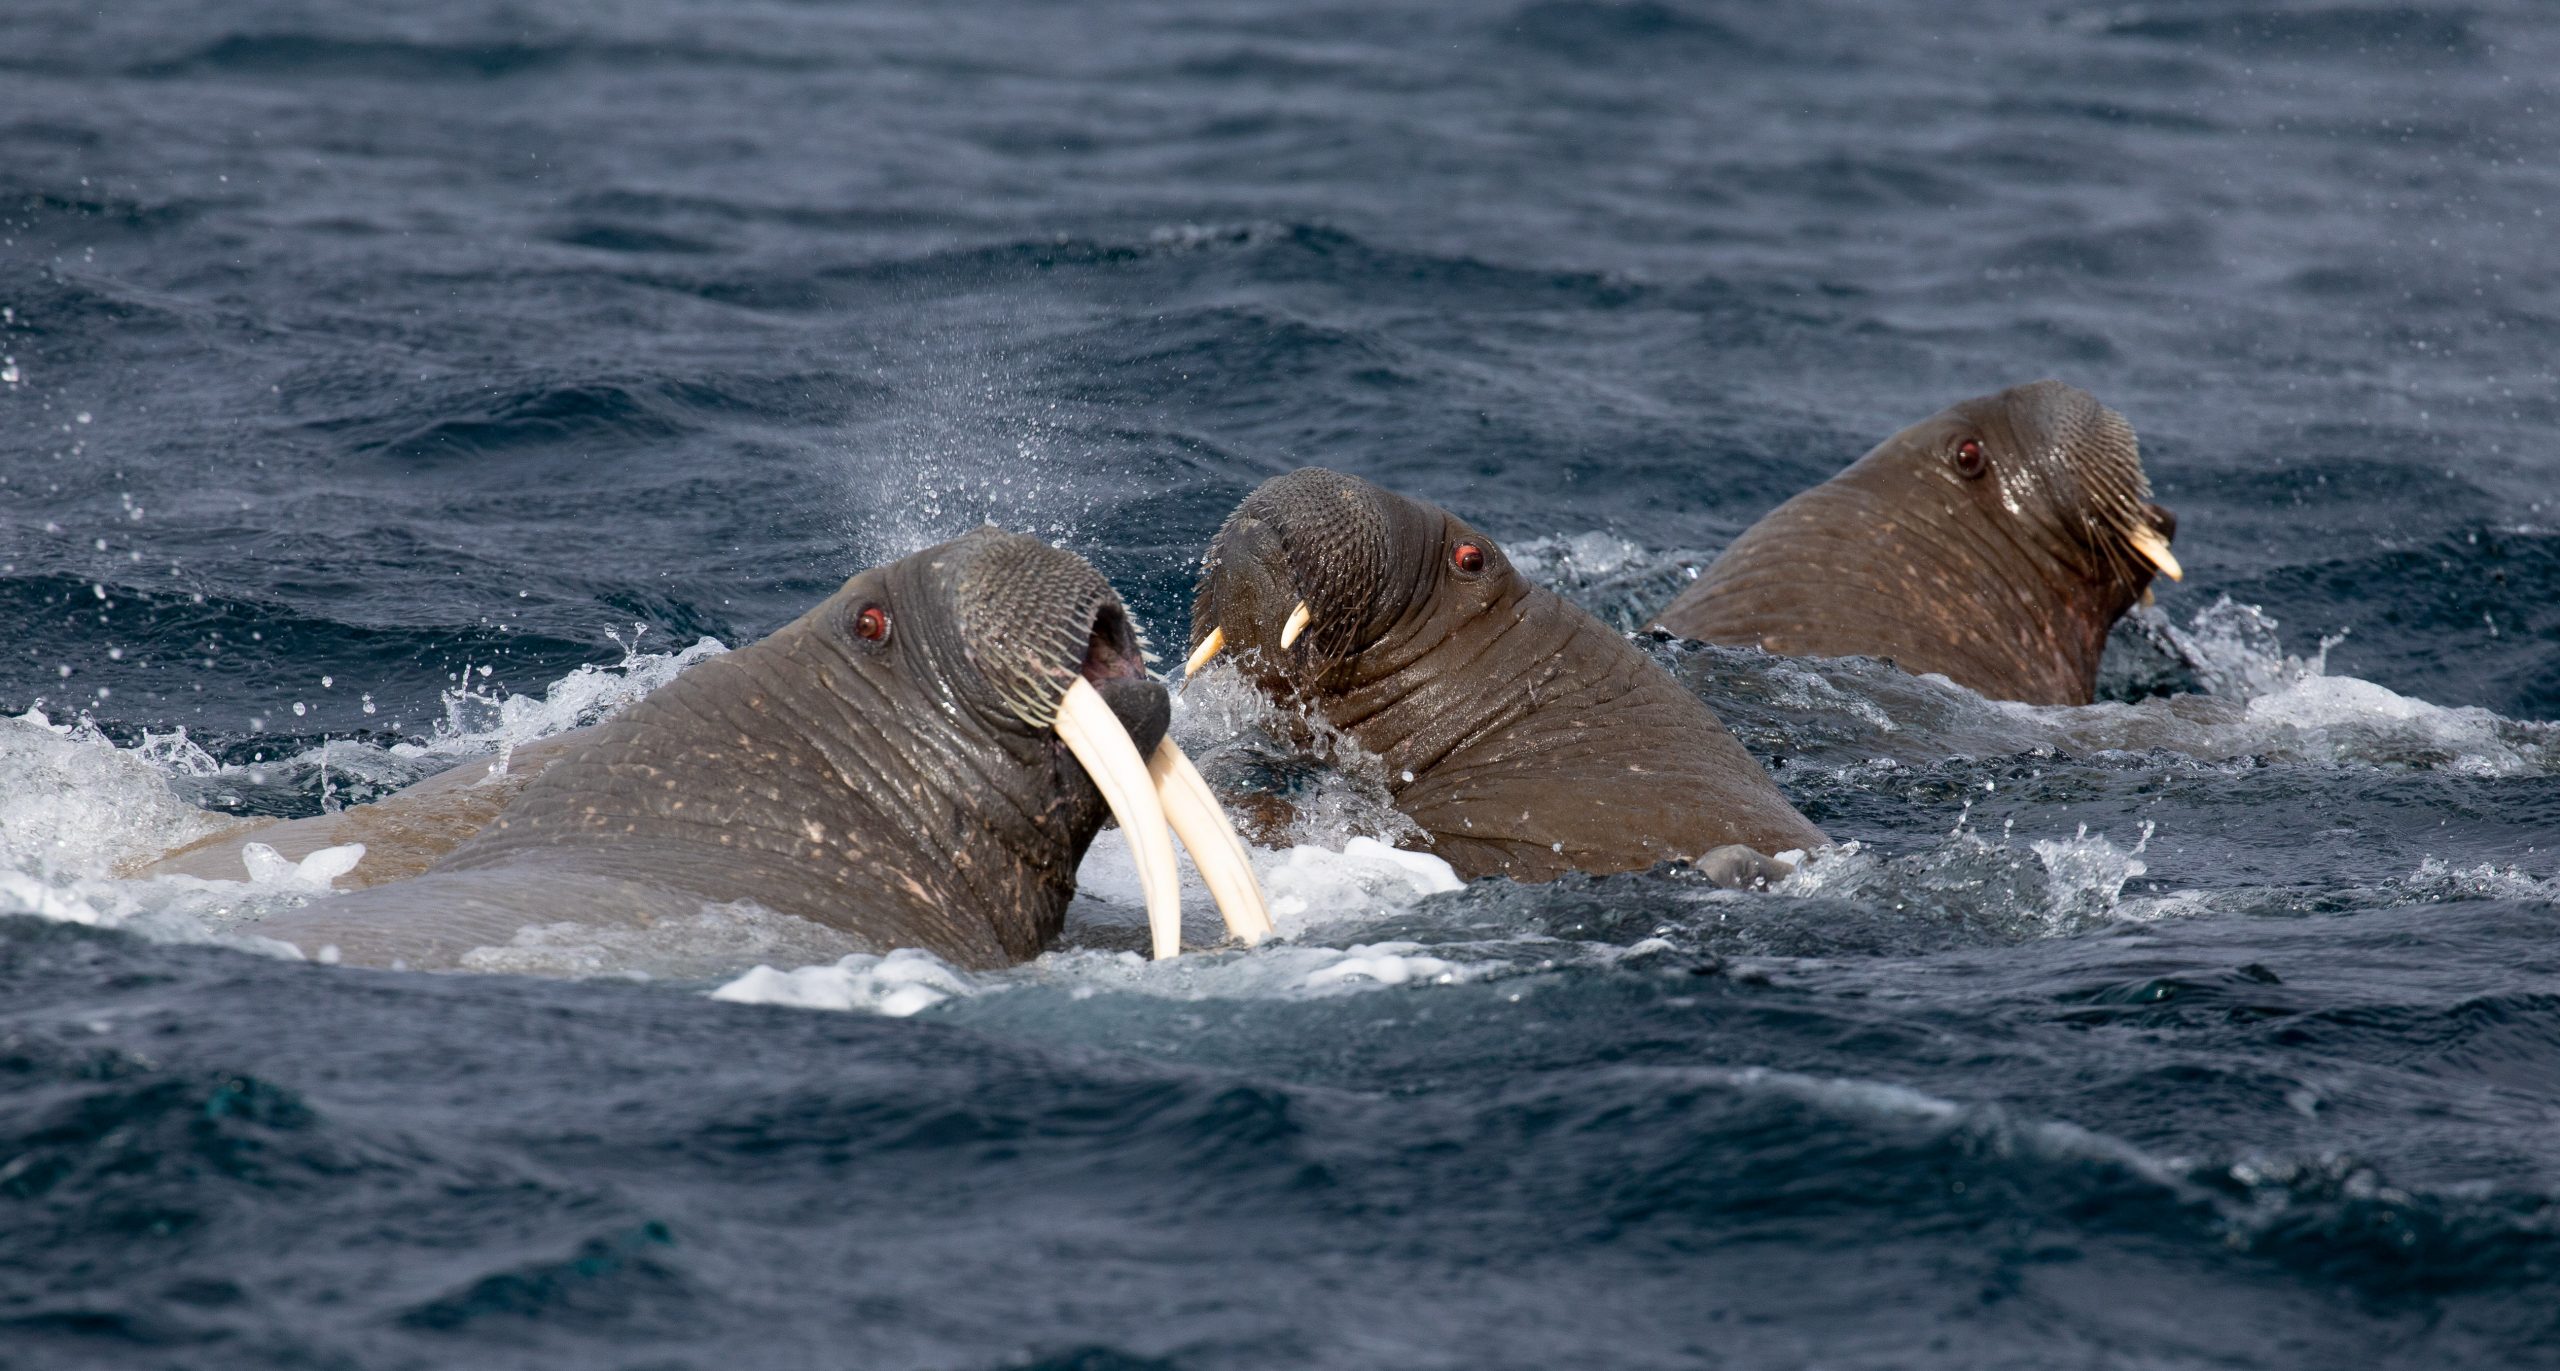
1467	557
1969	459
872	624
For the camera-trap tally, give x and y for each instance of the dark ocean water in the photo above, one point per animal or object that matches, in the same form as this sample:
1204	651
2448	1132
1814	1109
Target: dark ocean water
350	351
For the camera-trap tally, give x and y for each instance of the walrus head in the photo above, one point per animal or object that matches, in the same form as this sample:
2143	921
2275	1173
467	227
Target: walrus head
921	759
1365	577
2065	469
1523	735
1994	542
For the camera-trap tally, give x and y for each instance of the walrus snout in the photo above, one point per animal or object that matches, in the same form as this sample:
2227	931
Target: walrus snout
1308	554
1143	708
1115	666
1049	635
1247	592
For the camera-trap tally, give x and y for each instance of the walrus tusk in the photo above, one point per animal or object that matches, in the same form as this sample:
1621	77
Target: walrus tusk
1209	647
1298	620
1094	734
2155	550
1202	825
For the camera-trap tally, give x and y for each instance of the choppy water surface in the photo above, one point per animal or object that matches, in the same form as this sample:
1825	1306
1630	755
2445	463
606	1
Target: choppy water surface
369	379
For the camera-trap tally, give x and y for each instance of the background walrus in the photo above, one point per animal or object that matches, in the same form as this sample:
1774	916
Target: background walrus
919	761
1994	542
1526	737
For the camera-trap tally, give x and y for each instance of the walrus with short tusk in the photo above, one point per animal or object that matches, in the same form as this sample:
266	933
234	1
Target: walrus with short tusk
1994	543
1525	737
919	761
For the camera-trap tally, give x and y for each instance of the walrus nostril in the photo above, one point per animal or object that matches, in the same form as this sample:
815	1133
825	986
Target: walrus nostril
1112	650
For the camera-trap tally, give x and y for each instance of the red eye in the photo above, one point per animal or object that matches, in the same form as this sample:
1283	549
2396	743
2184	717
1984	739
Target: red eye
1467	557
1969	459
872	624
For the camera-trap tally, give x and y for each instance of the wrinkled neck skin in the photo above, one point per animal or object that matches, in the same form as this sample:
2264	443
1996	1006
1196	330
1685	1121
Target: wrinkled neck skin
803	774
1891	559
1530	740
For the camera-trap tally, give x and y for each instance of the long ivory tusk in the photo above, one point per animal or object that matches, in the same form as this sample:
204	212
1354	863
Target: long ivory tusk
2155	550
1093	733
1202	825
1298	620
1209	647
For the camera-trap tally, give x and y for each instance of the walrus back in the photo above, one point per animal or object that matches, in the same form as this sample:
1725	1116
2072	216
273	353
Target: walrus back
1839	571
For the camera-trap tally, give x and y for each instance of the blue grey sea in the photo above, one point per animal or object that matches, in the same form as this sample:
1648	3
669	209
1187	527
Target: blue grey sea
381	385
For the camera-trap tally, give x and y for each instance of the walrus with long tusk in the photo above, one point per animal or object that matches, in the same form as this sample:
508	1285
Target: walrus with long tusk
919	761
1524	736
1994	543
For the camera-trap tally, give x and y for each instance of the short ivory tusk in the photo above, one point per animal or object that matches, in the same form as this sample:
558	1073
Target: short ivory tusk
1209	647
2155	550
1093	733
1202	825
1298	620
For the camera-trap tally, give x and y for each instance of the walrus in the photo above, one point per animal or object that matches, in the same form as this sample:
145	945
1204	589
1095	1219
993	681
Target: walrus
1994	543
919	761
1525	737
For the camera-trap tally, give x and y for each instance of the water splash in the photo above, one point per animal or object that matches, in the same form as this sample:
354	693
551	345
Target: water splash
1323	788
1622	583
971	441
73	804
479	719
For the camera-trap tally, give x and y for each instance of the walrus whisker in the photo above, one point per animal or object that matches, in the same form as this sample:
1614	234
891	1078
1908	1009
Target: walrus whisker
1095	735
1202	824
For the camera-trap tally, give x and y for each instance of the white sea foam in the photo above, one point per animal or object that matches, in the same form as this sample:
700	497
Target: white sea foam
478	721
317	872
76	809
1383	964
2084	875
1304	885
2053	885
902	983
2272	705
2440	880
909	981
73	804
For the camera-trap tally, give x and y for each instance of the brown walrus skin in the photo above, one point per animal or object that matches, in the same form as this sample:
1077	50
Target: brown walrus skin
899	780
1523	735
1994	543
